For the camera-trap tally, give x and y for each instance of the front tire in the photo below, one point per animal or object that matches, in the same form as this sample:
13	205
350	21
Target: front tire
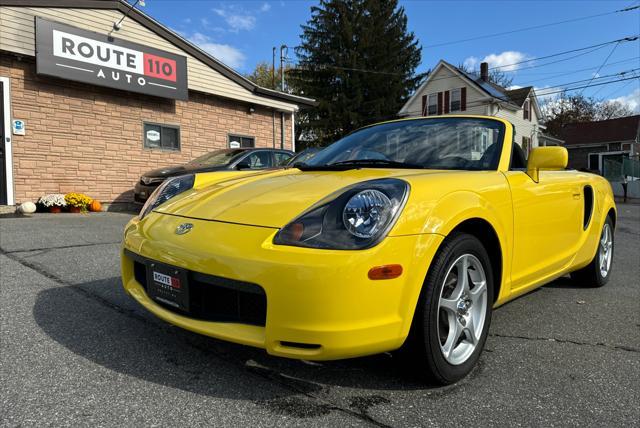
453	315
597	273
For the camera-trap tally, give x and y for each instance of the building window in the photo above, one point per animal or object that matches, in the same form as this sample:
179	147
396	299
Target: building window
594	161
282	157
238	141
164	137
432	105
526	110
454	101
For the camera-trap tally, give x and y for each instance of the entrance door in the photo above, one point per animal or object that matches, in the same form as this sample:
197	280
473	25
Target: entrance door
3	172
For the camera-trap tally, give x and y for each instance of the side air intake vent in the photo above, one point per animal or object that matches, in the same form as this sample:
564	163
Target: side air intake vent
588	206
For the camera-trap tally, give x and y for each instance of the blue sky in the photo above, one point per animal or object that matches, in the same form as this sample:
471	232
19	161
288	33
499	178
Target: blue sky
242	33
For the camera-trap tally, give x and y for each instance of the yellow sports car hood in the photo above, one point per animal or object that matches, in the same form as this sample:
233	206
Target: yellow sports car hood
269	199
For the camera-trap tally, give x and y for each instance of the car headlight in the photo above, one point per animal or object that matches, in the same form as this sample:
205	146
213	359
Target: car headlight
167	190
354	218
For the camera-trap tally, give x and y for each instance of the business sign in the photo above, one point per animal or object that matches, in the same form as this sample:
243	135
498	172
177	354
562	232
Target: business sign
18	127
99	59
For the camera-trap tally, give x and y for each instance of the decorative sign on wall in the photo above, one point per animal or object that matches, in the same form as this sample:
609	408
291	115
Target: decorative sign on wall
99	59
18	127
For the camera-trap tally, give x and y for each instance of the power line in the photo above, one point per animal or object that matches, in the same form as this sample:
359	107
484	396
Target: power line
568	72
583	51
603	64
535	27
622	40
606	97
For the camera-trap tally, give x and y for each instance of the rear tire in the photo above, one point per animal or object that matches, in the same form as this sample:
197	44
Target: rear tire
453	314
597	273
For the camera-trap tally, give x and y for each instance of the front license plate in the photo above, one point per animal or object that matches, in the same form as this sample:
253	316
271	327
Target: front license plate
168	285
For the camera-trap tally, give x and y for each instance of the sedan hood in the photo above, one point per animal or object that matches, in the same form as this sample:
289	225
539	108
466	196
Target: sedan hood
172	171
271	199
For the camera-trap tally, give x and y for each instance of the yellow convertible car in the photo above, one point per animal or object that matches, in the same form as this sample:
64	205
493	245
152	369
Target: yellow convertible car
402	235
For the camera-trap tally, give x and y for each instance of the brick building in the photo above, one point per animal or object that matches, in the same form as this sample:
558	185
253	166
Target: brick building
68	124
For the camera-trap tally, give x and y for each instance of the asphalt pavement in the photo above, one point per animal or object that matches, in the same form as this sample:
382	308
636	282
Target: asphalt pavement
75	350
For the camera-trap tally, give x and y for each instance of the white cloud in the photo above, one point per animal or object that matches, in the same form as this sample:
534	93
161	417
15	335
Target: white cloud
265	7
235	20
227	54
631	100
503	60
471	63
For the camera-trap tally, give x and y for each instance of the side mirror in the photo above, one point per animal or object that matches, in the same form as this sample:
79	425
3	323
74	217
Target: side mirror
549	158
243	164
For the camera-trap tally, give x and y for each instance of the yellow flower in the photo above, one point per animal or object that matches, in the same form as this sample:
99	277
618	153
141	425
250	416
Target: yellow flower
77	200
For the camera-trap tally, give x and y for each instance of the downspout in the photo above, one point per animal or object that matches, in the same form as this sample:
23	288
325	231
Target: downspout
282	130
273	125
293	132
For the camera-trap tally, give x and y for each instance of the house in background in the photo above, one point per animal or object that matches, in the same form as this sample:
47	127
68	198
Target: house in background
450	90
596	145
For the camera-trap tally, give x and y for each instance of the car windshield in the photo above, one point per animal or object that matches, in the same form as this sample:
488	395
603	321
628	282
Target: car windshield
442	143
303	156
217	158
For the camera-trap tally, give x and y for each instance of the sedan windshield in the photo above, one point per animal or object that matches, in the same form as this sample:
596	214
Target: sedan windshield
442	143
217	158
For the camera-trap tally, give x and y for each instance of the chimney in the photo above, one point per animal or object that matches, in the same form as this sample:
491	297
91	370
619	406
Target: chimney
484	71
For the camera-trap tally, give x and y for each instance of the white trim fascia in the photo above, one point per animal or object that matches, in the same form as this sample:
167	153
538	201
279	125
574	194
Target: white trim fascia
8	155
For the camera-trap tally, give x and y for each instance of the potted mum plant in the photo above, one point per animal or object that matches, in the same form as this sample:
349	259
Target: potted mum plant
53	201
77	202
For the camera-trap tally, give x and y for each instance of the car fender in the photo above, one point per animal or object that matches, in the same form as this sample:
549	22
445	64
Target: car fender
448	213
604	203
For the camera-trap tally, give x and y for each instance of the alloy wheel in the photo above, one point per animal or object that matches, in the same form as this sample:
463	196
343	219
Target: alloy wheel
605	251
462	309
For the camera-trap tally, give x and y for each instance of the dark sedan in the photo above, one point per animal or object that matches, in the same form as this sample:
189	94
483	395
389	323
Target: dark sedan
218	160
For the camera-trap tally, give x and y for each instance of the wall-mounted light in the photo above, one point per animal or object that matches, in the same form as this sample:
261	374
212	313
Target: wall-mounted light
118	25
251	109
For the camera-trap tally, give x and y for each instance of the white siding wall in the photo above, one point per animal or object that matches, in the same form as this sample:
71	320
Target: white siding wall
17	35
524	128
444	80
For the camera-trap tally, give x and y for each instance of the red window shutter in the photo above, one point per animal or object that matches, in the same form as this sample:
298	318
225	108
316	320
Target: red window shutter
446	102
424	105
463	99
439	102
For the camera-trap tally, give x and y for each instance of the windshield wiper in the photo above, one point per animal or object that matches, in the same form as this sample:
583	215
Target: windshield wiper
357	163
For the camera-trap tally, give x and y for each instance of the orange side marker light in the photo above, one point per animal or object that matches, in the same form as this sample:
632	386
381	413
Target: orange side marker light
385	272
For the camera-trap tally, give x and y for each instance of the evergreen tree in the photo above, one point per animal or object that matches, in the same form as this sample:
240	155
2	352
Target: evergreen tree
358	60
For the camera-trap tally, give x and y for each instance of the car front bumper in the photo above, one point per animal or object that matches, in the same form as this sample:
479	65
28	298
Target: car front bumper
141	192
321	305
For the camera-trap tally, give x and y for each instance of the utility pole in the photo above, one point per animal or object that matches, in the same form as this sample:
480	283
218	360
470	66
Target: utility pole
283	49
273	68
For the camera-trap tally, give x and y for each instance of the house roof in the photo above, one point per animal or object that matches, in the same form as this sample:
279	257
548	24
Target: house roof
513	96
604	131
518	96
168	34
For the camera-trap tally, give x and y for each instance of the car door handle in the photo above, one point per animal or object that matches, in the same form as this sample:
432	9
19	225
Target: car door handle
576	195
